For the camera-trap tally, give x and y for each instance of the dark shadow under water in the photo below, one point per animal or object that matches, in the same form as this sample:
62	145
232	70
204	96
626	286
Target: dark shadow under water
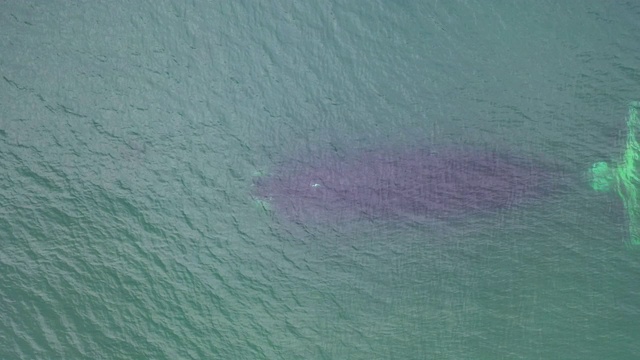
405	185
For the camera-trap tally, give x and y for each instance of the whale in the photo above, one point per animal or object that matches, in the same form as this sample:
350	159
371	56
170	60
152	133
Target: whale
392	184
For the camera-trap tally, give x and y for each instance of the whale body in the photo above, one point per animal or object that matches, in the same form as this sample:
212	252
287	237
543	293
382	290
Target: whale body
430	183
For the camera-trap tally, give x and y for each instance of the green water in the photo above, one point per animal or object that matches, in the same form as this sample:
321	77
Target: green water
130	134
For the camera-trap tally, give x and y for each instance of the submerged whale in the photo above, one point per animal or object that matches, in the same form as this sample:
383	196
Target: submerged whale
431	183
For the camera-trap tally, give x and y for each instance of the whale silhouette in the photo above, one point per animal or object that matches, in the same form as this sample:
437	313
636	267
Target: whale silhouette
445	182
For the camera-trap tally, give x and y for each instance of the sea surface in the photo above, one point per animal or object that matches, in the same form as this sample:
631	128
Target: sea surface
132	132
